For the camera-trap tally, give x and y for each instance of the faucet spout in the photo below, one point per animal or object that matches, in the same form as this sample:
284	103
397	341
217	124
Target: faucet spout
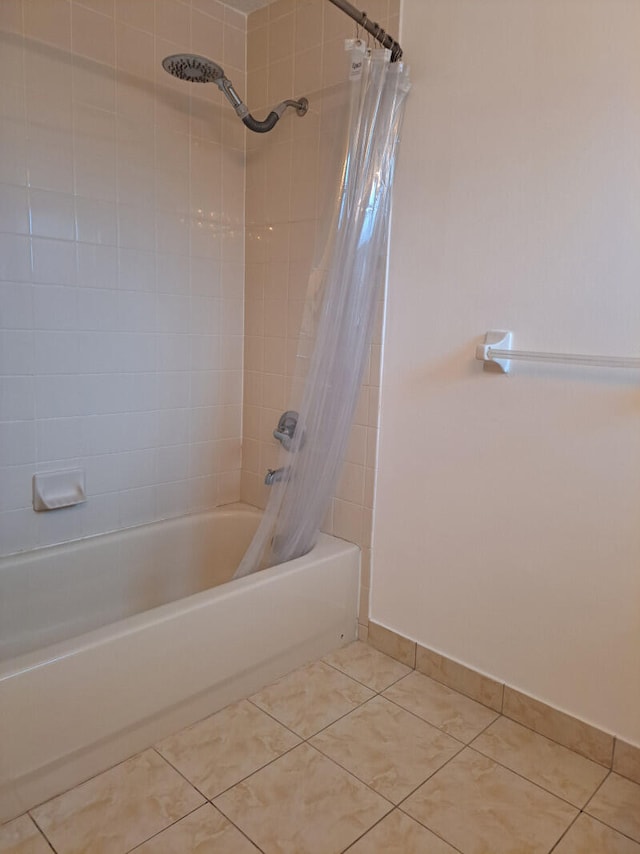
276	475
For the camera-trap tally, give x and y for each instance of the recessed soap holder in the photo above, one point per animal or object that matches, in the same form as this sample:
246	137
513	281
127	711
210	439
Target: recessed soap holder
54	490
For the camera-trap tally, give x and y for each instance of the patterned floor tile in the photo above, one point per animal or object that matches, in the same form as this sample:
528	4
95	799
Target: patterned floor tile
386	747
555	768
588	836
617	803
367	665
119	808
311	698
205	831
399	834
221	750
450	711
482	808
302	803
21	836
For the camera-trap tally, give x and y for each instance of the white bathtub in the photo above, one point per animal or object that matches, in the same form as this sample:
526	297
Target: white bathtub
111	643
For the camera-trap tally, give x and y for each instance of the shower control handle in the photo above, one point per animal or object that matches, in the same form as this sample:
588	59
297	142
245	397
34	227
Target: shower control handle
286	428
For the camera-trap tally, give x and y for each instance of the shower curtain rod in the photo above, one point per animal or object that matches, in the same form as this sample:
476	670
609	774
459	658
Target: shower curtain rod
371	27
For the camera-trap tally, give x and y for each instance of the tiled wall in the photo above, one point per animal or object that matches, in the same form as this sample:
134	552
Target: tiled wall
121	262
296	48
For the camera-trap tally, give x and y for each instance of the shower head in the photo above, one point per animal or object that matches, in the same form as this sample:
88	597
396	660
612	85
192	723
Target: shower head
199	69
193	68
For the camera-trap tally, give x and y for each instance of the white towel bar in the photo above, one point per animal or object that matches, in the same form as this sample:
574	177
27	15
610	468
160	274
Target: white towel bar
496	350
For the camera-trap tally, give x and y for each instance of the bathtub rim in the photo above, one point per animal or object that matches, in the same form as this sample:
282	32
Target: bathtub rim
325	547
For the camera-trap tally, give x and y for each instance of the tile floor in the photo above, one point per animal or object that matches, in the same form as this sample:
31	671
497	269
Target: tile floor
353	753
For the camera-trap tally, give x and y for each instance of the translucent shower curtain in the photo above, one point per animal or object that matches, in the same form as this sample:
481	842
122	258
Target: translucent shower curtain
347	282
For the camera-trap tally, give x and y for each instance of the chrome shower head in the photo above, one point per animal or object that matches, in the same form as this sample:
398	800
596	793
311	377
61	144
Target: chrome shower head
193	68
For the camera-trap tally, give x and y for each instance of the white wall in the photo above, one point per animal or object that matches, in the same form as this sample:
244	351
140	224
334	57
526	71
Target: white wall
507	525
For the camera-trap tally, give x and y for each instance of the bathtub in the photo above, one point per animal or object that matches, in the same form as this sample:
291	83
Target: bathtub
111	643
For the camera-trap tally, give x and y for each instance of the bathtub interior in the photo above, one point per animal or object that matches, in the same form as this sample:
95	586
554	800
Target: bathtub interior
60	592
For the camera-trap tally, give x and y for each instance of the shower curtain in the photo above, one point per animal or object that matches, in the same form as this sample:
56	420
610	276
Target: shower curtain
339	316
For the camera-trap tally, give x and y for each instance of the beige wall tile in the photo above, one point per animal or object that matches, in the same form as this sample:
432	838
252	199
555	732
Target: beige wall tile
626	760
348	521
234	48
363	603
566	730
459	677
48	22
288	46
309	23
281	7
259	18
392	644
281	35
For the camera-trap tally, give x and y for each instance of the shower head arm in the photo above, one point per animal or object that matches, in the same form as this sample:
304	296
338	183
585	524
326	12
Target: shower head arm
301	106
226	87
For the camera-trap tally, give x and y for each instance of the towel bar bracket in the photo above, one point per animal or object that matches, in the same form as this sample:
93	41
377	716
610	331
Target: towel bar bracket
495	340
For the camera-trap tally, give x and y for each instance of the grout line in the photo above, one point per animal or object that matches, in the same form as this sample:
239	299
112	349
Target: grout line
540	735
558	841
308	739
239	829
435	726
433	773
171	824
597	790
275	719
355	841
526	779
555	741
42	833
430	829
611	827
392	805
360	682
178	771
251	774
83	782
504	686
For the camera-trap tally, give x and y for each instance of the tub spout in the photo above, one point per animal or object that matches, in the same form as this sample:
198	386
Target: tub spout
276	475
